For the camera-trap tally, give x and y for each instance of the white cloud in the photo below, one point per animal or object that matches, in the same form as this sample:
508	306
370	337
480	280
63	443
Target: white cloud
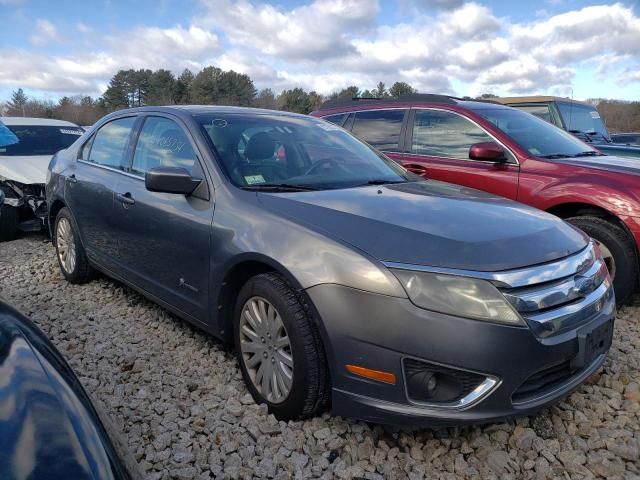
326	45
321	29
45	33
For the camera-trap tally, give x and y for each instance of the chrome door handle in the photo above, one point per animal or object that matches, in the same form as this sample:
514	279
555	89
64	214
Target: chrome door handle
125	198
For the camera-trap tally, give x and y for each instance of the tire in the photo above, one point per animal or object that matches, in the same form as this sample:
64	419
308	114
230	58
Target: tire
621	247
68	245
9	219
309	384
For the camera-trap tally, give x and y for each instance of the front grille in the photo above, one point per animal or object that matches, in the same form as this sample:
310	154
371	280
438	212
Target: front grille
453	384
559	304
544	381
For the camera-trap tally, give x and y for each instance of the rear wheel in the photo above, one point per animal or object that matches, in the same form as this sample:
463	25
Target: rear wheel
69	250
618	250
9	219
279	349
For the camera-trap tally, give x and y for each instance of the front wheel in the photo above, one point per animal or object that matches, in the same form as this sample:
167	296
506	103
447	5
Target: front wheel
279	349
69	250
618	251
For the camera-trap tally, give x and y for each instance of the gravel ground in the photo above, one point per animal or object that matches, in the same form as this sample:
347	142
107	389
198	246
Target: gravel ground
179	397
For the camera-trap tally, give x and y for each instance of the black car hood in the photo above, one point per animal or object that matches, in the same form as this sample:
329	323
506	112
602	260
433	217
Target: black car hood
433	223
610	163
48	428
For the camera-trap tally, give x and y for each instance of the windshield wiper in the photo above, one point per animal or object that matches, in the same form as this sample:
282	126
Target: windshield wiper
589	153
556	155
380	181
283	187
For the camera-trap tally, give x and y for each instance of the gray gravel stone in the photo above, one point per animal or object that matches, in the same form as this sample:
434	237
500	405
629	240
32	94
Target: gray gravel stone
179	398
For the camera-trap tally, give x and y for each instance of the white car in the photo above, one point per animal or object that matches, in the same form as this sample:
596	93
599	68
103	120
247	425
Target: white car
26	147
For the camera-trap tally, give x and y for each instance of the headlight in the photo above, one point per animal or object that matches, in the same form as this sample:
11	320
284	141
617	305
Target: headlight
459	296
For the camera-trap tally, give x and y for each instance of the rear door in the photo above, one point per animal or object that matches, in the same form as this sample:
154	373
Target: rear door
438	143
91	183
164	238
383	129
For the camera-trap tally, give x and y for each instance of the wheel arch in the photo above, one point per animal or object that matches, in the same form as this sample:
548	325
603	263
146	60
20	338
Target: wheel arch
577	209
54	209
237	273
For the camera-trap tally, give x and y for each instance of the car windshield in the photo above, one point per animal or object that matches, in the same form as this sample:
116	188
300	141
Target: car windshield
582	119
535	135
39	139
284	151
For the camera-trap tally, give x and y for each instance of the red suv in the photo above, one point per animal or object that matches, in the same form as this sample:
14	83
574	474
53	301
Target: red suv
511	153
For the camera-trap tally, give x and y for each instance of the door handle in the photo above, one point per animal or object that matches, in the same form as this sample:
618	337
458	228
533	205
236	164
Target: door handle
72	178
126	199
416	168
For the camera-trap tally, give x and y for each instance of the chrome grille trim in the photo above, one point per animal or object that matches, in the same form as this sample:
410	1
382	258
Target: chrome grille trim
520	277
551	298
532	299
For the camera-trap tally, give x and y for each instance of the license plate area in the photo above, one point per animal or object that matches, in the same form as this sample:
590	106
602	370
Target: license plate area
593	343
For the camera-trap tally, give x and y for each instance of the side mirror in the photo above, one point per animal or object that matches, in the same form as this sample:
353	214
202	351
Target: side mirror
170	180
487	151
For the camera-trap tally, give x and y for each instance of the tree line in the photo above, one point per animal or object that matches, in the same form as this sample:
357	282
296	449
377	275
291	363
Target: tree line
214	86
209	86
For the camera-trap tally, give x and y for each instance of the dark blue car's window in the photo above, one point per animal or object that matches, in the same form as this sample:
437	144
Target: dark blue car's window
257	149
110	142
162	143
582	119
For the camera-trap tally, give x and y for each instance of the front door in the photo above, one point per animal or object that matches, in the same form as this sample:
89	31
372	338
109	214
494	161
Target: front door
164	238
90	187
439	143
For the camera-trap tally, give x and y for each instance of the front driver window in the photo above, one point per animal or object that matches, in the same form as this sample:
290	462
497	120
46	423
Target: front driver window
445	134
162	143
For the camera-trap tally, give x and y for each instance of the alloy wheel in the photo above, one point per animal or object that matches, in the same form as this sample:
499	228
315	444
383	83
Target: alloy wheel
66	245
266	349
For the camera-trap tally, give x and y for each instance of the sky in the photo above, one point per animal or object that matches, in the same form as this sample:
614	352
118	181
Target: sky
582	49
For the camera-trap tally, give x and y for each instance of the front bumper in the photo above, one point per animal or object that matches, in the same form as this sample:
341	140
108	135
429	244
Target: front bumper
380	332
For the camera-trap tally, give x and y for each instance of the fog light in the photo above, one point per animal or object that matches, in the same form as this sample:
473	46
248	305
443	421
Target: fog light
432	383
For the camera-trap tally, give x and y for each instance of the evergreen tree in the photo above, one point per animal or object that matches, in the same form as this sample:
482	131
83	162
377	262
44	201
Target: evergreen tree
17	104
399	89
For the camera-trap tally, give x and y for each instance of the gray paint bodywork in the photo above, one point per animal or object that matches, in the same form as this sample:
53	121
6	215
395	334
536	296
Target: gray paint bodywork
179	250
327	237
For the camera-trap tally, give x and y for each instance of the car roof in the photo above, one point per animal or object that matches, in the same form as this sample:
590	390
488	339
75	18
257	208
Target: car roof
348	105
204	109
536	99
45	122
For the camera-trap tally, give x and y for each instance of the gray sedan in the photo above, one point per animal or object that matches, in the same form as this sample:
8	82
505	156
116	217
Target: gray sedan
340	277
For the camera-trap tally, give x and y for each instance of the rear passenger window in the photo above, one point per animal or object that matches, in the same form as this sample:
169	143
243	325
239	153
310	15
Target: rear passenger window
445	134
162	143
110	143
379	128
337	119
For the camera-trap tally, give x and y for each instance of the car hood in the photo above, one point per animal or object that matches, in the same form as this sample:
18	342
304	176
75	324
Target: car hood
610	163
433	223
48	428
25	169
